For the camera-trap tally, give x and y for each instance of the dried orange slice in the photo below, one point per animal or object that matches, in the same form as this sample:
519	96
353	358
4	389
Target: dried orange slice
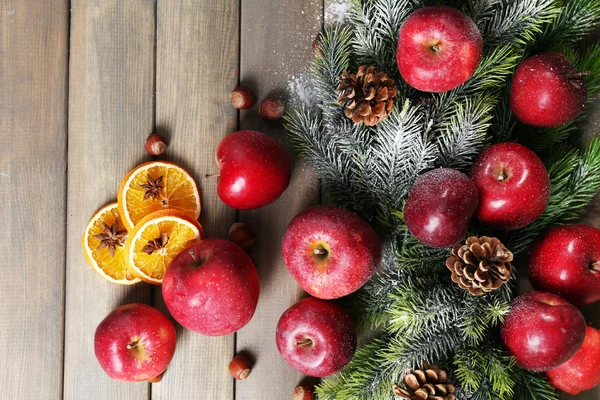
156	240
155	186
104	246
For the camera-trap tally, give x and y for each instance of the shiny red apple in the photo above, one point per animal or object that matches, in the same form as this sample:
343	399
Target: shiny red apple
211	287
316	337
330	252
582	371
542	330
135	342
254	170
440	206
439	49
513	186
566	261
547	91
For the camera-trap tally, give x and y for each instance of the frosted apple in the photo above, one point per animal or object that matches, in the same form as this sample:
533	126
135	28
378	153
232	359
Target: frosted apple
566	261
513	186
547	91
440	206
542	330
439	49
330	252
135	342
582	371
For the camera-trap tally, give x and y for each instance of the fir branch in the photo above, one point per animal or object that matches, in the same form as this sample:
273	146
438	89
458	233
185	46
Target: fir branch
516	21
465	133
485	370
577	19
532	386
376	24
400	151
333	58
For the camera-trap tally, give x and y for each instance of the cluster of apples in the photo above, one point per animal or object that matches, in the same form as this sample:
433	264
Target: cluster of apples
439	49
212	286
331	253
544	330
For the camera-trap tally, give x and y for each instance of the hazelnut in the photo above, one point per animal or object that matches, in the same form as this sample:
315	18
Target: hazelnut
271	108
304	392
239	367
242	98
155	144
241	234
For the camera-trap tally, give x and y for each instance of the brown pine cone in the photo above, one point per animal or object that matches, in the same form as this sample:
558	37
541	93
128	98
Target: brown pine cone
367	96
428	383
480	265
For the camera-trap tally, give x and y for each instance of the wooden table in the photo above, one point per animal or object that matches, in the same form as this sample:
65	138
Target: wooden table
82	84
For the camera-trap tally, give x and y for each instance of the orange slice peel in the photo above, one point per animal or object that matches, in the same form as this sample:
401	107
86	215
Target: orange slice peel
156	240
103	244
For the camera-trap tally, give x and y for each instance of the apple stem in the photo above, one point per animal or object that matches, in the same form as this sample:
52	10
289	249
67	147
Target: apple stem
579	75
436	48
319	251
211	175
595	266
132	345
304	343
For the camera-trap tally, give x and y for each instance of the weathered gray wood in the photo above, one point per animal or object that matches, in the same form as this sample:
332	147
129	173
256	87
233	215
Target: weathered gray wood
33	122
276	50
111	90
197	58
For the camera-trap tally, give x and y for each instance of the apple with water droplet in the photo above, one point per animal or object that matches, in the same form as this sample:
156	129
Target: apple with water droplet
211	287
254	170
135	342
566	261
316	337
440	206
582	371
547	91
439	49
542	330
330	252
513	186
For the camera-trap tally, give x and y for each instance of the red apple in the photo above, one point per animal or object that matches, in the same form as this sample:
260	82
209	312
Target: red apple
566	261
135	342
542	330
254	170
582	371
330	252
316	337
211	287
439	49
440	206
547	91
513	186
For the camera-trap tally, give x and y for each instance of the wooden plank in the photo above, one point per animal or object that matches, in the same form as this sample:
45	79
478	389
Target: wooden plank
110	114
197	58
276	52
33	122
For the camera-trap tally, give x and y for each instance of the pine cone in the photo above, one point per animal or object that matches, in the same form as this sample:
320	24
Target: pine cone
480	264
368	96
428	383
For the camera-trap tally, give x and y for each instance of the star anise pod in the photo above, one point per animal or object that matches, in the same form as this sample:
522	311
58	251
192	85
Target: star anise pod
153	187
156	244
111	238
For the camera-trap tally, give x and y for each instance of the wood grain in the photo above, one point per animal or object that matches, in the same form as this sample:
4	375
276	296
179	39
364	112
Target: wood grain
111	91
33	123
197	58
276	50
